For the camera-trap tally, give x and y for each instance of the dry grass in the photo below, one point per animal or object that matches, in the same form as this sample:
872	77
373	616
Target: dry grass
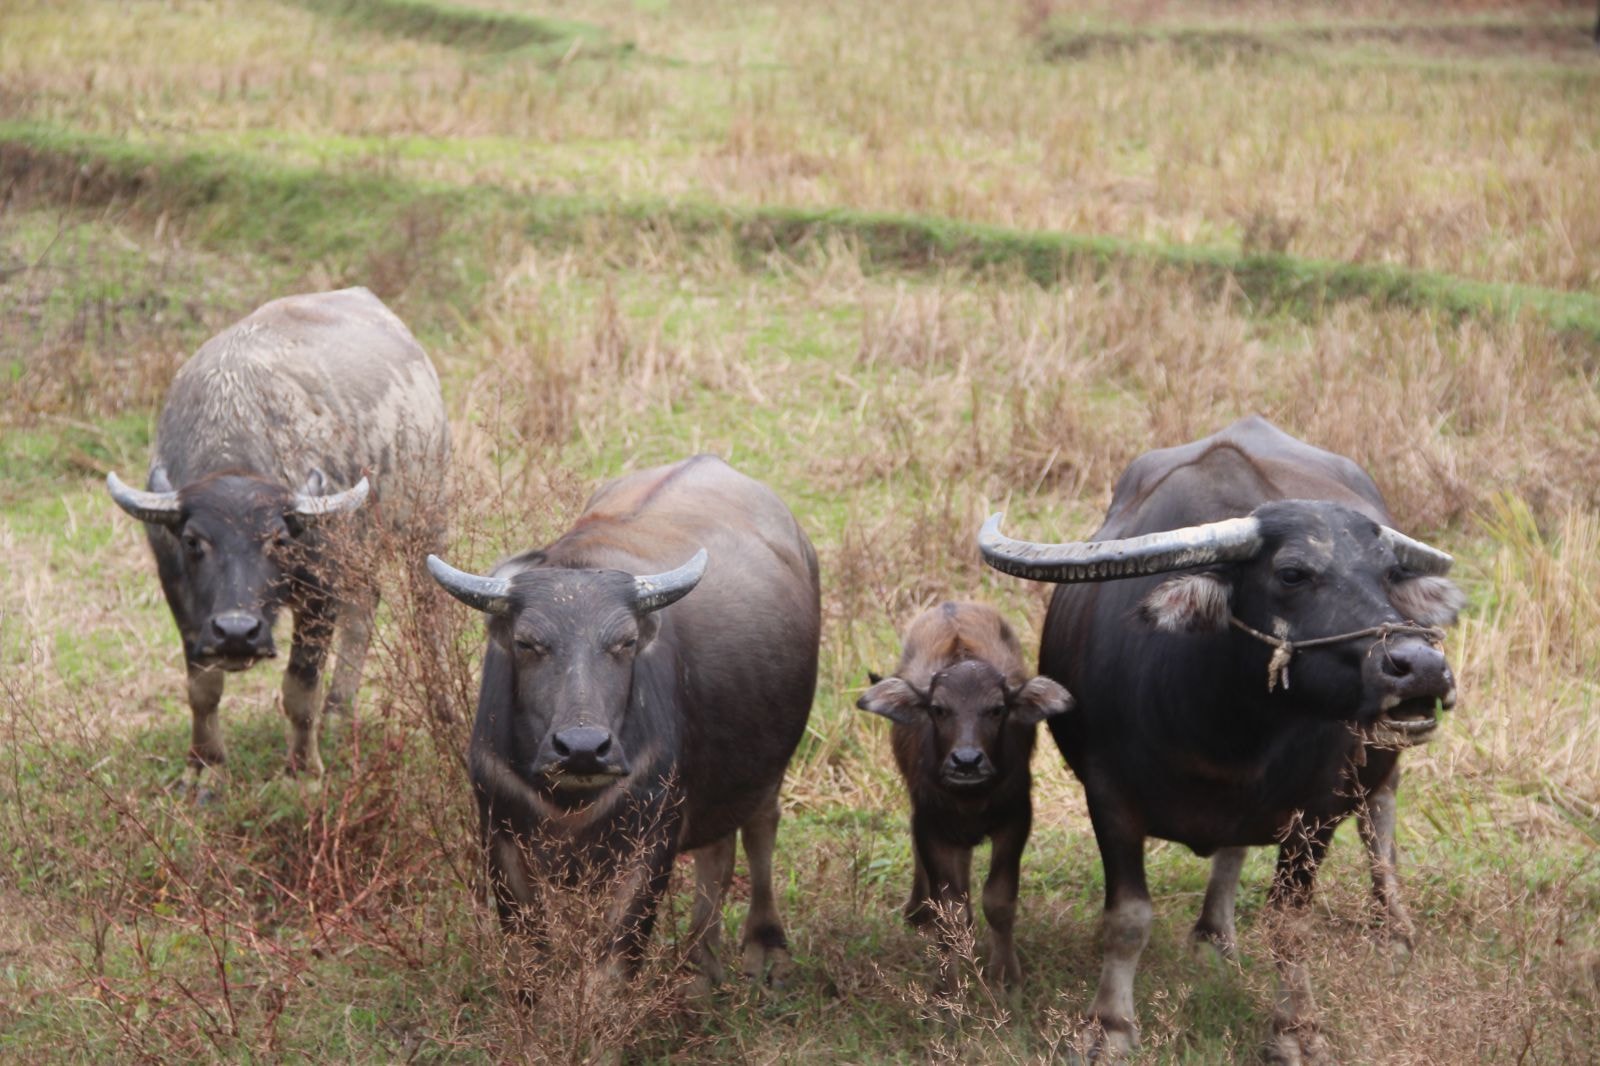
897	106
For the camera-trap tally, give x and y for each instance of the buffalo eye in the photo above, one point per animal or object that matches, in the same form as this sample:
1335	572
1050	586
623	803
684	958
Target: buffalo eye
625	645
1292	576
997	711
194	545
937	711
529	646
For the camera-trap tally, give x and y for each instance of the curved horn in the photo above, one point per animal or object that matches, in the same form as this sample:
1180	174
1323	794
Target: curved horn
1415	555
491	595
312	508
157	508
1230	540
651	592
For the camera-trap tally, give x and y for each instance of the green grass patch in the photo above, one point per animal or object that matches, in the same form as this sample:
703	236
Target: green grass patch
472	28
357	220
35	460
1216	40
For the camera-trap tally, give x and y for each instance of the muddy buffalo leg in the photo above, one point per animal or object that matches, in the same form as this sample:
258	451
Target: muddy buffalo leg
765	946
713	871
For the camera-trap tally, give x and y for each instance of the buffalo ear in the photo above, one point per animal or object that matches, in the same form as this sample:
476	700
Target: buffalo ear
649	625
315	484
873	677
1191	603
1039	699
895	699
1431	600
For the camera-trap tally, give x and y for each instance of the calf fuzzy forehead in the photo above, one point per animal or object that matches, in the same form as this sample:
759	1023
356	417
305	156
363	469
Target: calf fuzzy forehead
970	682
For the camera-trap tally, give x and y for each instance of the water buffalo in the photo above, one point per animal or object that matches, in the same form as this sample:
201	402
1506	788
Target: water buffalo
965	714
1250	644
646	679
308	392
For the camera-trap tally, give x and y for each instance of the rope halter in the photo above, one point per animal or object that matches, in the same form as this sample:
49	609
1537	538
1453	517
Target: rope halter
1284	648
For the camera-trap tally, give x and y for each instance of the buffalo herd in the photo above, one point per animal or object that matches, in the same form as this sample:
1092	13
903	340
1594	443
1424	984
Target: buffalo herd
1237	657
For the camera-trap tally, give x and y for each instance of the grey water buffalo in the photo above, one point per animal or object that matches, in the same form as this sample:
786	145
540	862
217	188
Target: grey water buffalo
646	680
1251	644
965	714
292	416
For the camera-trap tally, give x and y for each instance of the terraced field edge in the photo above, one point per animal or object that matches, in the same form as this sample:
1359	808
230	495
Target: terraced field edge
238	198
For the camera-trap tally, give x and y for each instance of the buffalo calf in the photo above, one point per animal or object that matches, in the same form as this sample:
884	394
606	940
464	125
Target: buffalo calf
964	713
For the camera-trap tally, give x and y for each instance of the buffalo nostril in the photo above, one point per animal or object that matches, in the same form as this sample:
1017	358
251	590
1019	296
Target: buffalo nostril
236	625
966	759
581	742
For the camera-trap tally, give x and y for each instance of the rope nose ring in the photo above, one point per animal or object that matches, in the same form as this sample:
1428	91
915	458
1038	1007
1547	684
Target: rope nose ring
1284	648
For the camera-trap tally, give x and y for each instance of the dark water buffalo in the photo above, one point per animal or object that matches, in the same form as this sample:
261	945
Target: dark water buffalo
1250	645
616	723
965	715
307	393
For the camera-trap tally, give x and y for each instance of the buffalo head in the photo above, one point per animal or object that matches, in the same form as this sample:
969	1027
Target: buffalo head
1340	609
235	537
572	638
966	709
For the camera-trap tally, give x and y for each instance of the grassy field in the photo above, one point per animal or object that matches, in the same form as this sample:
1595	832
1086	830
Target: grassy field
908	263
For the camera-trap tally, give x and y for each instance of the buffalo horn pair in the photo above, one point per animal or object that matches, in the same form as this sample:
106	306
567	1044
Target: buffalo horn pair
492	595
163	509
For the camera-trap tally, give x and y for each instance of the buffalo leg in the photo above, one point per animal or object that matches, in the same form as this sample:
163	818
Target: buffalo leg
1214	930
302	685
1376	820
1296	1036
638	895
713	871
765	948
1125	932
1000	898
355	636
919	905
949	871
516	902
206	750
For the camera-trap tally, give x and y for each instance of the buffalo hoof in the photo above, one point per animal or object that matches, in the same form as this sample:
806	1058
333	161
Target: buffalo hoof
305	771
308	783
766	966
1301	1046
1399	950
201	787
1212	949
1003	971
918	914
708	976
1113	1043
701	987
